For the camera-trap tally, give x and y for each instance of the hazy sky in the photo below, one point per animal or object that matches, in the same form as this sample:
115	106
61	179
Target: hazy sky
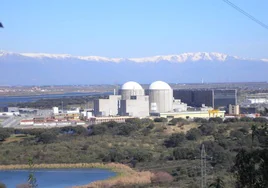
133	28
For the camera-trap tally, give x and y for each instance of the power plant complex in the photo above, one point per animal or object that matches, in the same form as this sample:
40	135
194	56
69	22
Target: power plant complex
158	101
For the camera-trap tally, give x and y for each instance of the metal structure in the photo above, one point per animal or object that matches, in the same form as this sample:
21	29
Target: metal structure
213	112
203	167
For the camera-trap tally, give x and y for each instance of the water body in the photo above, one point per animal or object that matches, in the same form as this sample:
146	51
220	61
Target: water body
6	100
55	178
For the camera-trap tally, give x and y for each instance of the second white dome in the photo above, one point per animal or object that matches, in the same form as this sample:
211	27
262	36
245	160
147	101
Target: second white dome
159	85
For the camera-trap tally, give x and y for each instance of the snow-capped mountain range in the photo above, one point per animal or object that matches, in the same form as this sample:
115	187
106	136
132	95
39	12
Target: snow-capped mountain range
180	58
42	68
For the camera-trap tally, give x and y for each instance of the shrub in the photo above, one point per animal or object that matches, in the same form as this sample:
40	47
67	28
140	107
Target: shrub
126	129
161	177
175	140
161	119
246	119
142	155
185	153
4	134
193	134
178	121
260	120
215	120
99	129
47	137
207	129
200	120
230	120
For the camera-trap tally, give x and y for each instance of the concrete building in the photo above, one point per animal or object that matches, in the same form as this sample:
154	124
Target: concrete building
136	106
160	97
107	107
130	89
234	109
215	98
193	114
55	110
99	120
179	106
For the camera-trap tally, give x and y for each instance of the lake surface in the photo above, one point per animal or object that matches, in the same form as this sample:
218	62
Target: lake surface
5	100
55	178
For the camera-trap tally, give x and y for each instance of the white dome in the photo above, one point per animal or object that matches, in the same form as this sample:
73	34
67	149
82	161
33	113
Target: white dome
159	85
131	86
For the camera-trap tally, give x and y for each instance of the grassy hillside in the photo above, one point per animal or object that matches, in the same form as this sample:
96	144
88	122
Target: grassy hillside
172	147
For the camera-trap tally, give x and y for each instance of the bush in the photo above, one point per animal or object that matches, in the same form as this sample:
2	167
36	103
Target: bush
193	134
260	120
99	129
126	129
4	134
215	120
237	134
207	129
175	140
246	119
47	137
142	155
230	120
200	120
178	121
160	119
185	153
162	177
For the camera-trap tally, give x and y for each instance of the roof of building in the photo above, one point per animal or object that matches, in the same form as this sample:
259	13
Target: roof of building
131	85
159	85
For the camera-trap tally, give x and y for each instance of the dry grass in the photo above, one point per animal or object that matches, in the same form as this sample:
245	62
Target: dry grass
181	129
129	177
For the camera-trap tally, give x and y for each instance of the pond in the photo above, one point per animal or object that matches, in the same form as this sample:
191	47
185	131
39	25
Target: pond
55	178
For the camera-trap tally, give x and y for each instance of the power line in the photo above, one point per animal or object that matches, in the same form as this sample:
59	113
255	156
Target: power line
246	14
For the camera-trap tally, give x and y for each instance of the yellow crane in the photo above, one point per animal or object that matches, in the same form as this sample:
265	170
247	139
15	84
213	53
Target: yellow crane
213	112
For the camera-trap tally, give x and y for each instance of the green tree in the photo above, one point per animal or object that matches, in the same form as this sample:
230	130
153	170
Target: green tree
193	134
215	120
47	137
4	135
175	140
251	168
31	178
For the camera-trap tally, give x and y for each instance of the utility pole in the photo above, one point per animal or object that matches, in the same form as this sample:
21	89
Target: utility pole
203	167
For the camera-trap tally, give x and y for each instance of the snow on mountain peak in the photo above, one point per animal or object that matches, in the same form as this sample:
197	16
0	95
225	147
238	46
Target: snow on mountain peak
176	58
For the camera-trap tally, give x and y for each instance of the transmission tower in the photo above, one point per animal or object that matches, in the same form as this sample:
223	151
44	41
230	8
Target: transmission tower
203	167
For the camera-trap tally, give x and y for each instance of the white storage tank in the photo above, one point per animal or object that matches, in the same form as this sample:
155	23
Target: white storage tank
160	97
130	89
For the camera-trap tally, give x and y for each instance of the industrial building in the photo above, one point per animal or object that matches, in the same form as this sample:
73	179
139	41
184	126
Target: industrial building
160	97
130	89
159	101
136	106
193	114
107	107
215	98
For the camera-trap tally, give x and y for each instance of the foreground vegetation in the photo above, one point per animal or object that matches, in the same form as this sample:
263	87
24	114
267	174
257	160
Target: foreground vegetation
236	150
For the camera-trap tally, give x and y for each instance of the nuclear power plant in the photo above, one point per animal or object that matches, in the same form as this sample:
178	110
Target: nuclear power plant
157	101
